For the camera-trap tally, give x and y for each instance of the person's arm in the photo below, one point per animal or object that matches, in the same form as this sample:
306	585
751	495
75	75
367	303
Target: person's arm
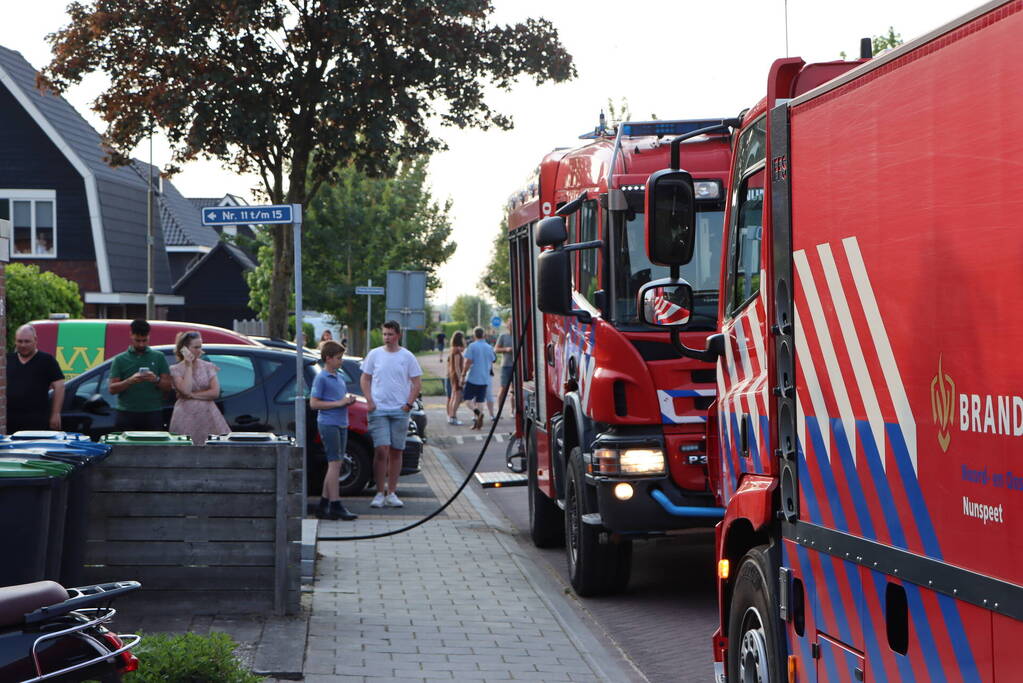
116	384
183	382
366	382
163	372
466	364
417	385
58	402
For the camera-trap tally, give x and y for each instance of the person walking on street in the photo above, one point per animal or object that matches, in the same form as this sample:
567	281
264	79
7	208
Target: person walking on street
505	347
440	345
479	358
195	380
31	374
138	377
330	398
454	377
391	380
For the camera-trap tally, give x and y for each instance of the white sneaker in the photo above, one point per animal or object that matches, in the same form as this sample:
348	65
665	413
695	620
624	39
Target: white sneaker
392	501
378	501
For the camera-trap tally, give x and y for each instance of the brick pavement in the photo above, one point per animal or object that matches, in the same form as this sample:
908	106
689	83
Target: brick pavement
452	600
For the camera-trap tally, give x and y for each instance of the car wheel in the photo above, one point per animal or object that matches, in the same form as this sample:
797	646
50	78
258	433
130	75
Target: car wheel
594	568
546	520
754	634
356	469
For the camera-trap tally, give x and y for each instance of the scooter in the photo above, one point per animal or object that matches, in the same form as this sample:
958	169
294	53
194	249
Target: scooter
56	634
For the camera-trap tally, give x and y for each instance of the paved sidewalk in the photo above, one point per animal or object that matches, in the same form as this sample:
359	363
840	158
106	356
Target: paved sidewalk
454	599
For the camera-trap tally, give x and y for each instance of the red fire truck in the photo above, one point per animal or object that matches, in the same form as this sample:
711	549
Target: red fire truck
611	416
868	434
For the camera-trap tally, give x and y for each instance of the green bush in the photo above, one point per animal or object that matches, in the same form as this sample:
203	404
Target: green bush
32	295
308	331
188	658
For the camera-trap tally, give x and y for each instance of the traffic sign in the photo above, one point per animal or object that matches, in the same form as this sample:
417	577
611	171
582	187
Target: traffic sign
369	291
242	215
496	321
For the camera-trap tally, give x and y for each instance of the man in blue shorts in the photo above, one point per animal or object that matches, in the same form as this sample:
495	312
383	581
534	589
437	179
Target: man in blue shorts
476	374
330	399
391	379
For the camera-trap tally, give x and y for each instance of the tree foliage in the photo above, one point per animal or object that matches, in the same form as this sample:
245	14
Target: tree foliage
293	90
357	229
32	295
883	42
497	276
472	311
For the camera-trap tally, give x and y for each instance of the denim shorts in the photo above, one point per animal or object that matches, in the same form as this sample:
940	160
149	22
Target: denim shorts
475	392
389	427
335	440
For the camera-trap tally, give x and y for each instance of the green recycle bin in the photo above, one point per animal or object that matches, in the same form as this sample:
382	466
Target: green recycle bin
137	438
33	501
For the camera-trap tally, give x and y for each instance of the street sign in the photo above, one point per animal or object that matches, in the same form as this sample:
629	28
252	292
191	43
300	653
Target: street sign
496	321
369	291
406	298
242	215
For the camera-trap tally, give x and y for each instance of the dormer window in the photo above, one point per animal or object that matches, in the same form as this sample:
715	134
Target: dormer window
32	214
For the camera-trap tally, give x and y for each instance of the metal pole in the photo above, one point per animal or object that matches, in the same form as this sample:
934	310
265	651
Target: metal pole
150	295
369	309
300	437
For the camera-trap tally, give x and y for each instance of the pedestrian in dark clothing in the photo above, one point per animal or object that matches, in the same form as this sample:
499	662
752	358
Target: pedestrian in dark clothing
31	374
138	377
440	345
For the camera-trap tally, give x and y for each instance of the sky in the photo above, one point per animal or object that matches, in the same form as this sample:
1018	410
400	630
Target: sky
671	58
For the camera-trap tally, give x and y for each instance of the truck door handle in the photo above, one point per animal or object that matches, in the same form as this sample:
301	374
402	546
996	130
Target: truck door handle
744	435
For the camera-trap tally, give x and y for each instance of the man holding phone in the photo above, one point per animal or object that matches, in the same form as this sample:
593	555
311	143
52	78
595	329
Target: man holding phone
138	377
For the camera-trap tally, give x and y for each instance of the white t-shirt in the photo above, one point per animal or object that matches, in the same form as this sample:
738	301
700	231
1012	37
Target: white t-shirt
392	376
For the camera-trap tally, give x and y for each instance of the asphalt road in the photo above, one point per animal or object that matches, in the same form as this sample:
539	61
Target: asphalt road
665	619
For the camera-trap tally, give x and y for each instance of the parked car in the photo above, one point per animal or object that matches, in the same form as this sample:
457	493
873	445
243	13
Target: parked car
83	343
257	388
353	368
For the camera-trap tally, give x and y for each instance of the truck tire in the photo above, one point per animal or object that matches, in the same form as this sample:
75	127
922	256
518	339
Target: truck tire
754	633
356	469
593	568
546	520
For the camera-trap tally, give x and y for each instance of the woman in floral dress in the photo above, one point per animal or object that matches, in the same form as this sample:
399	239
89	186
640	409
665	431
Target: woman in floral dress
195	380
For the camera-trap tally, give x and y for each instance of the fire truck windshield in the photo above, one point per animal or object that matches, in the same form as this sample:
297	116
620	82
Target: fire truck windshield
632	269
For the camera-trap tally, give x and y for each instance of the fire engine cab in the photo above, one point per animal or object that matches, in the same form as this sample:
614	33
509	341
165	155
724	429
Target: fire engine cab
611	417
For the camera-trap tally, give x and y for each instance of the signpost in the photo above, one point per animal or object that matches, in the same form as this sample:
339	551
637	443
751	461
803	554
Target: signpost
267	215
406	298
370	291
496	321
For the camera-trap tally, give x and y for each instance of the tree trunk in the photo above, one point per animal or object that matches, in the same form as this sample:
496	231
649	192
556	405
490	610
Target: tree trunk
280	281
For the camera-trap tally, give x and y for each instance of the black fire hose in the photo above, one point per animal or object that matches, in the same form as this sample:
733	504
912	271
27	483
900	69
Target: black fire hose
517	354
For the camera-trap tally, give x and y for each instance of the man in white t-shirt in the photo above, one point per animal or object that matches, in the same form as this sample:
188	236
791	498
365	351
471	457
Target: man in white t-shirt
391	380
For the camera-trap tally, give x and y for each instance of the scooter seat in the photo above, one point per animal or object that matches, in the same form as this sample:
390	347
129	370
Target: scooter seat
17	601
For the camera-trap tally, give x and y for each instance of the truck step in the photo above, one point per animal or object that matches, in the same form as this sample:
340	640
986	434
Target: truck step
497	480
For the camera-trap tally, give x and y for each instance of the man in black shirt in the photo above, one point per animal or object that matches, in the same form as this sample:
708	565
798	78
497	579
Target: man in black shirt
31	374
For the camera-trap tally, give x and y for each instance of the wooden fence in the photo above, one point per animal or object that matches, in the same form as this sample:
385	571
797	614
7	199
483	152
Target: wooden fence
206	529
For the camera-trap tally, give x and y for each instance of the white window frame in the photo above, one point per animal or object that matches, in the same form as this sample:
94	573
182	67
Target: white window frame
32	196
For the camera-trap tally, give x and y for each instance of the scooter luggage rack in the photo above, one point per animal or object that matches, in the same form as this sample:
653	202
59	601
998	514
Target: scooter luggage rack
106	615
80	598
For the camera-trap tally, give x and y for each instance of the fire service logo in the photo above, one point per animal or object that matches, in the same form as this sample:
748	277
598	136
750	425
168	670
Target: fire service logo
943	392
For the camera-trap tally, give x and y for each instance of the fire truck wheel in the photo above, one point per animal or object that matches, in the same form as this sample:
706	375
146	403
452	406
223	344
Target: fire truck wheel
546	520
356	469
754	634
594	568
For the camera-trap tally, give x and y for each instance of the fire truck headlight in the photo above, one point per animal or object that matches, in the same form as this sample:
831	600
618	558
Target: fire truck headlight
623	490
707	189
642	461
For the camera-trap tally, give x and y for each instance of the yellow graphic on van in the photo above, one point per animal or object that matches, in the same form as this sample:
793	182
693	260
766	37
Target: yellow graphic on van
80	346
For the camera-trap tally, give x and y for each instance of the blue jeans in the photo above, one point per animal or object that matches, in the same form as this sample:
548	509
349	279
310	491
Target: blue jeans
389	427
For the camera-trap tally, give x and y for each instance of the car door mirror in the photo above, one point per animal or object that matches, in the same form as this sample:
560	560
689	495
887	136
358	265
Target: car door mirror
665	303
97	405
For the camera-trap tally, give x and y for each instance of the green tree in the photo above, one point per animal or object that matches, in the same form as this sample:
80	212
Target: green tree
471	311
357	229
881	42
497	276
294	90
32	295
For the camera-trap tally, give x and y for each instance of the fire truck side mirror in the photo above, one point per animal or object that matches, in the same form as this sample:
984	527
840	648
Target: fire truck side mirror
665	303
670	217
554	281
551	232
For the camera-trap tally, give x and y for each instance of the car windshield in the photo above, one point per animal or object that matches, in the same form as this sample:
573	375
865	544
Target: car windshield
632	268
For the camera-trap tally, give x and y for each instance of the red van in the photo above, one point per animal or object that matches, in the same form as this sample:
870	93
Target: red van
81	344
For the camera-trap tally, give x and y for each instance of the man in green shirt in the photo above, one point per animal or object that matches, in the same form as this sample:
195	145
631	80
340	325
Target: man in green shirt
138	377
